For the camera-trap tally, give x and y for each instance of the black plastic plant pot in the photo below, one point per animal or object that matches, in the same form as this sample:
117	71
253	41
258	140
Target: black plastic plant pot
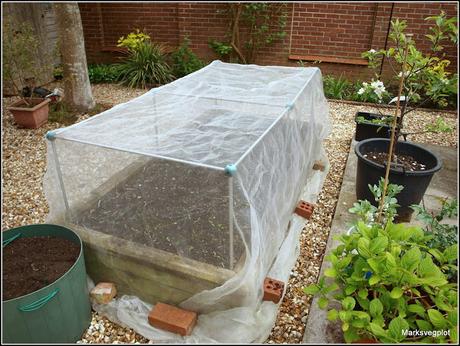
415	183
367	129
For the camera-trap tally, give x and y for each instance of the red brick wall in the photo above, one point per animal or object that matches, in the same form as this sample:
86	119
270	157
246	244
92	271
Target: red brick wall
320	31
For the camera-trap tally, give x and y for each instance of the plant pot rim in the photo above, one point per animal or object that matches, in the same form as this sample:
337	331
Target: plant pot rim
368	122
63	275
369	162
15	105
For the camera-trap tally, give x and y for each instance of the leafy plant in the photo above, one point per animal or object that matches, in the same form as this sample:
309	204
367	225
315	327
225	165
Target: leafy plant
145	66
258	24
336	88
220	48
133	40
442	235
388	281
425	75
103	73
22	62
185	61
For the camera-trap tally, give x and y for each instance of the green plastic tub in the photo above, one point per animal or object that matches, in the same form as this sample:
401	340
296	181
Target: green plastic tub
57	313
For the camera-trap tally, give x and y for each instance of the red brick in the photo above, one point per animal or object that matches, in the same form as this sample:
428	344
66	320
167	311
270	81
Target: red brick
172	319
304	209
273	290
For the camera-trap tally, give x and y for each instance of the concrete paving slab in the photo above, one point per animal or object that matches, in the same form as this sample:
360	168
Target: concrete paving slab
444	184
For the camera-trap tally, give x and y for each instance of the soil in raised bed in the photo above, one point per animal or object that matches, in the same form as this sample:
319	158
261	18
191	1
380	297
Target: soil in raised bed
173	207
33	263
407	161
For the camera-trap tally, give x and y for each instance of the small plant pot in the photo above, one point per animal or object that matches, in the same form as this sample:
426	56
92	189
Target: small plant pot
57	313
367	129
33	117
415	183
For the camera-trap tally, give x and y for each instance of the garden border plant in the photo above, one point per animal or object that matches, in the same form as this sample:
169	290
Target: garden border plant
388	281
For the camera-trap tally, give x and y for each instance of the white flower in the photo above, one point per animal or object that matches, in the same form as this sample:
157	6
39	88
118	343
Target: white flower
365	84
372	51
377	84
361	91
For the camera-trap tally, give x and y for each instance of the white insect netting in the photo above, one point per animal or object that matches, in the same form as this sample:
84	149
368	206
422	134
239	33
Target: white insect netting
207	169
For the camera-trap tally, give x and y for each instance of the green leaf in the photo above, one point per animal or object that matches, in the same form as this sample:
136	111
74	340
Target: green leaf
348	303
330	272
350	289
437	319
452	317
374	264
311	289
411	258
345	326
332	315
362	293
376	307
378	244
350	335
450	253
437	254
377	330
332	287
417	309
396	293
345	315
424	325
374	279
396	328
453	335
322	302
363	248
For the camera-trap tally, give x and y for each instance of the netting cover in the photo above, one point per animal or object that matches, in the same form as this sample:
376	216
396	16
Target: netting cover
201	175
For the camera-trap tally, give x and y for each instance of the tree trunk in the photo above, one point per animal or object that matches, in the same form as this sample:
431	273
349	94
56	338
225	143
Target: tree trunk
77	88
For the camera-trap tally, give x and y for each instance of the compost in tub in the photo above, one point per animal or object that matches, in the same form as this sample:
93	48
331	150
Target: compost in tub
185	194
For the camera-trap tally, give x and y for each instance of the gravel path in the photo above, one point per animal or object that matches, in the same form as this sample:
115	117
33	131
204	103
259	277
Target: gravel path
24	163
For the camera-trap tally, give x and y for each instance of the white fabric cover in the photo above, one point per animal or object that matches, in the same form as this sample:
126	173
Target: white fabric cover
267	121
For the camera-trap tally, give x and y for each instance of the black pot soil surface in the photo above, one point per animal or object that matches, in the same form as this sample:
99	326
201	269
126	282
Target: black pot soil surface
416	166
32	263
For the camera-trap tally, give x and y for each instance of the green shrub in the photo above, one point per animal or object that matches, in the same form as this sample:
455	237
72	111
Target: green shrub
145	66
185	61
103	73
336	88
388	280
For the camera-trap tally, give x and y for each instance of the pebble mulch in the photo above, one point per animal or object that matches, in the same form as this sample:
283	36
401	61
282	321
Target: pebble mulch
24	163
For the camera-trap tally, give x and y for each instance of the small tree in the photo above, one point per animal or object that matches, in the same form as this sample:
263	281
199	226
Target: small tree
259	24
22	66
418	75
426	78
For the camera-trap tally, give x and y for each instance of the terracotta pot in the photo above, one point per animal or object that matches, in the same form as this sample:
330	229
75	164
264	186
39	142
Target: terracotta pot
366	341
33	117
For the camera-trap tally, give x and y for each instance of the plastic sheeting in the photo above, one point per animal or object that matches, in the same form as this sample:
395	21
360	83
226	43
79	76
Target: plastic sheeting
208	168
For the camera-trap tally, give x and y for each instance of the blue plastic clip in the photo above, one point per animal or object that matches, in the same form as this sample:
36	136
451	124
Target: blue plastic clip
230	170
50	135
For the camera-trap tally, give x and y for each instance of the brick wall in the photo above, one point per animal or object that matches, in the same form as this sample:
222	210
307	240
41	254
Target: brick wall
335	33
